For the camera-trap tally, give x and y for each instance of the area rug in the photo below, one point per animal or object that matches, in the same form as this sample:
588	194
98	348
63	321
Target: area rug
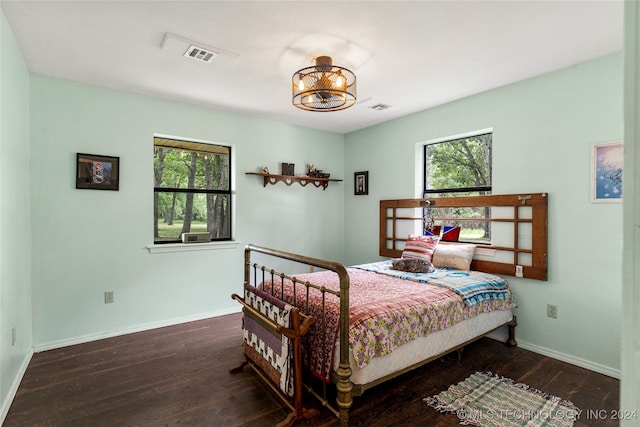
489	400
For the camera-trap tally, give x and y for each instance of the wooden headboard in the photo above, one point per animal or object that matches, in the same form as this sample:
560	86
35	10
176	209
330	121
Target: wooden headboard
517	223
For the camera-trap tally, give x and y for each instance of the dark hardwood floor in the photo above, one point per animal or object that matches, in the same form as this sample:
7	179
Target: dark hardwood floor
179	376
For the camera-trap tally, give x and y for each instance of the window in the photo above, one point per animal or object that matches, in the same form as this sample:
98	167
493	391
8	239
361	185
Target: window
459	167
192	189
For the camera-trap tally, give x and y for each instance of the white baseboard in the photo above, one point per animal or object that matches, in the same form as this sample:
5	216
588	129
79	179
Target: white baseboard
583	363
139	328
6	403
501	335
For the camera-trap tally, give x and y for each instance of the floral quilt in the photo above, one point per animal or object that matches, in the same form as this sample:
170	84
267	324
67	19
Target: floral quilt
385	312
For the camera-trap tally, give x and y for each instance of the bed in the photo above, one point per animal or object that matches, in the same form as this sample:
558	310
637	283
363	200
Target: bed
367	323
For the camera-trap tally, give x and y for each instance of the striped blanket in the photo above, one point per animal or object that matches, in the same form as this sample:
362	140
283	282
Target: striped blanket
472	286
268	349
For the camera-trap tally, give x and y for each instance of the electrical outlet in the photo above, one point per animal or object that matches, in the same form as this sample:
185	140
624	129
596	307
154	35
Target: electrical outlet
519	271
108	297
13	336
552	311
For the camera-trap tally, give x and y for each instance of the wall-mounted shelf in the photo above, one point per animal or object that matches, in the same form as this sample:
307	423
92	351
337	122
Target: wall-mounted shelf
273	179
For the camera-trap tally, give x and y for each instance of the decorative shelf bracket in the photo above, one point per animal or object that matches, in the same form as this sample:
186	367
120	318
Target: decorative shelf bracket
273	179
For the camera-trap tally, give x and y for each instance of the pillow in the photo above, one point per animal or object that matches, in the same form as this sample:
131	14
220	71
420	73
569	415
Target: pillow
420	247
432	231
451	233
412	265
456	256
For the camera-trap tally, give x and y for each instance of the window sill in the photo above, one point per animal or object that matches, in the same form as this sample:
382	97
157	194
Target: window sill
185	247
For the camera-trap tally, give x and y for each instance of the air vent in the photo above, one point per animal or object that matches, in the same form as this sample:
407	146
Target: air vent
380	107
199	51
200	54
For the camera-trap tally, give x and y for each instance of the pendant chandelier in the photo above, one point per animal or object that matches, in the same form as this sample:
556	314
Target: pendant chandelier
324	87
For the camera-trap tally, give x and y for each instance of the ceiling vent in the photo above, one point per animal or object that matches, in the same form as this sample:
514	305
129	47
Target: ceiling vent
380	107
183	47
200	54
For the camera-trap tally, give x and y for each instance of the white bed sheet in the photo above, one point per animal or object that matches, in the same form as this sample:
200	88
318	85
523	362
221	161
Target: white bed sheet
425	347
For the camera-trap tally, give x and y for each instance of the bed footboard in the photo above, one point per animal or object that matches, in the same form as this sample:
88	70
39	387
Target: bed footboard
255	274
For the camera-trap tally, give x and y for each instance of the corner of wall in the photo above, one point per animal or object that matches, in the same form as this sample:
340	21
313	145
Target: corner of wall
16	335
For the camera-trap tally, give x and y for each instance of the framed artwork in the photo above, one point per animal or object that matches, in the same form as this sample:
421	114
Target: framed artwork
607	164
361	183
96	172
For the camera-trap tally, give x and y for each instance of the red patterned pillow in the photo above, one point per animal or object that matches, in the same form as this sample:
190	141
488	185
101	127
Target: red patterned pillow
420	247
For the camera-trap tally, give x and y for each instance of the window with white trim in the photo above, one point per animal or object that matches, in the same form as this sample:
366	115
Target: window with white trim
460	166
192	189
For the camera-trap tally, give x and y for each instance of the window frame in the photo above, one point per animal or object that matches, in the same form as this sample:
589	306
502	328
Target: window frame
429	193
457	191
229	192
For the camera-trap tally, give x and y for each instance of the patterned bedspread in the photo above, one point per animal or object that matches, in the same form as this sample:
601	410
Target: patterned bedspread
472	286
385	312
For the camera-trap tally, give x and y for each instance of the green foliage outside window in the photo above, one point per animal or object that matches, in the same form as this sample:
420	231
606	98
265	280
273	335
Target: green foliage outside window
459	164
460	167
191	189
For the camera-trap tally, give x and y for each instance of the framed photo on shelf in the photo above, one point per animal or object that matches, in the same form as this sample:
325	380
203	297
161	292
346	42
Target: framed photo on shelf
95	172
361	183
607	164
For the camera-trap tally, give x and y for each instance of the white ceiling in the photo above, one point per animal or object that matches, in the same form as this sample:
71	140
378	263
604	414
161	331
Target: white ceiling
411	55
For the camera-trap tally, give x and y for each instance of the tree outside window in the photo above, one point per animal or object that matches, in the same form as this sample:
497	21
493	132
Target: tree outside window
460	167
192	189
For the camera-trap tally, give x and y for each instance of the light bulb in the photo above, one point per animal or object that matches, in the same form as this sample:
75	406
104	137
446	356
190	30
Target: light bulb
301	85
339	81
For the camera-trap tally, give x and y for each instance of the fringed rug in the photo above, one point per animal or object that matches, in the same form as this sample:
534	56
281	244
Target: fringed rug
489	400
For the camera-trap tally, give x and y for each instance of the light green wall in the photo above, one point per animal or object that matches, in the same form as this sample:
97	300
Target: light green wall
543	131
87	242
15	282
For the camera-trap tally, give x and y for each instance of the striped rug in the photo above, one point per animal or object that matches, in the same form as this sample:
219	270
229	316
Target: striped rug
488	400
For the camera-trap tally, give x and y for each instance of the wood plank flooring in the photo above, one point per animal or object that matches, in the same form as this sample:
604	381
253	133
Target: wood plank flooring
178	376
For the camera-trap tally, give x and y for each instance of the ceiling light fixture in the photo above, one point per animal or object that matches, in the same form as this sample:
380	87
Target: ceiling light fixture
324	87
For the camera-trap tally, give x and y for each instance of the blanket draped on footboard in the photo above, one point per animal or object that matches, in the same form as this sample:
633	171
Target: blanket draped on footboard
385	312
270	350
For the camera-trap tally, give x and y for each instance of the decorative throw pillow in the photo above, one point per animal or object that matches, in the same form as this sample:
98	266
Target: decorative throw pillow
434	230
456	256
412	265
450	233
420	247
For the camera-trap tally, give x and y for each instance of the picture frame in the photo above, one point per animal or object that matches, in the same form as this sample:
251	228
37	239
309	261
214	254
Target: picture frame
361	183
97	172
607	167
288	169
